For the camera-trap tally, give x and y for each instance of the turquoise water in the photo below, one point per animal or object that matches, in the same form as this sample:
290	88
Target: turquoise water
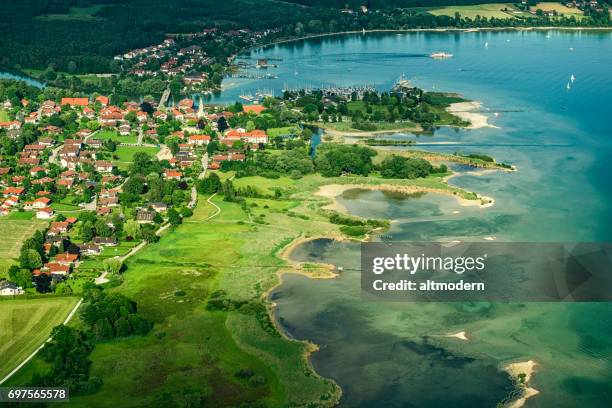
395	354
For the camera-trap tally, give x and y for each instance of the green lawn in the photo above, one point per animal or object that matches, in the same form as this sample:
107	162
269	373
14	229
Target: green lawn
113	134
483	10
14	231
25	324
282	131
125	154
4	116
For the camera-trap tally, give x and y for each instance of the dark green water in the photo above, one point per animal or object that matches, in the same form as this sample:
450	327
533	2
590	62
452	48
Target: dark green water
395	354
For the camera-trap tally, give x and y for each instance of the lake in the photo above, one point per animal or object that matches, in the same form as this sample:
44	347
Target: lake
395	354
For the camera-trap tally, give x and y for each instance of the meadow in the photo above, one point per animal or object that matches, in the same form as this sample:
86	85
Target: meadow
483	10
204	284
25	324
113	134
14	229
125	154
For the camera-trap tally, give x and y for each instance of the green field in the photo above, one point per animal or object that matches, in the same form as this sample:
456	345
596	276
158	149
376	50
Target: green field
125	154
196	350
113	134
75	14
559	8
282	131
482	10
4	116
26	324
14	231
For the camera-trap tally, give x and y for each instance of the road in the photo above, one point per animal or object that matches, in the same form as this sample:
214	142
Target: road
194	191
140	136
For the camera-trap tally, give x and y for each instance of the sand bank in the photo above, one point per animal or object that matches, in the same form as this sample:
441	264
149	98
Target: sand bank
332	191
465	110
462	335
518	369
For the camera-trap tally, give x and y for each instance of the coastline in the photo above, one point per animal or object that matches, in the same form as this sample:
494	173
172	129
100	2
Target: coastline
433	30
465	111
332	191
516	370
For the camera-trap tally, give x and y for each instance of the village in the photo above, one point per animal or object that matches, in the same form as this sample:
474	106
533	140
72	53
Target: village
105	179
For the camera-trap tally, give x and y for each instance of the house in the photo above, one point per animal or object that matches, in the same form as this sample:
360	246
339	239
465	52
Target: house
90	249
28	161
58	227
160	115
75	101
105	241
194	78
256	136
159	207
102	211
110	118
89	113
145	216
95	143
66	259
41	202
37	169
108	202
12	191
185	104
11	125
31	118
46	141
173	174
199	140
10	289
82	134
142	116
103	100
45	213
103	166
56	269
125	129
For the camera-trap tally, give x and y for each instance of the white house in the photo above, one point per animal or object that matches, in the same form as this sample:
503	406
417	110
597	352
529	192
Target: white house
10	289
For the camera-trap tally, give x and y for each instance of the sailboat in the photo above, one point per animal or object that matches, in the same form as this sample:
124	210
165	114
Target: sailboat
568	86
572	78
487	44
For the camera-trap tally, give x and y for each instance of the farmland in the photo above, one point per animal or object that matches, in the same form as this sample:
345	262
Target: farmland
14	229
26	324
496	10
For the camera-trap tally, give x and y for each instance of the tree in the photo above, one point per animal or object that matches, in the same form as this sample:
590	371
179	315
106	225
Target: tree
174	217
87	231
30	259
132	229
20	276
112	265
222	124
209	185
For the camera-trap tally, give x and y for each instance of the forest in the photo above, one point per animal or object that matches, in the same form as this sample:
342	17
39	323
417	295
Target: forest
83	36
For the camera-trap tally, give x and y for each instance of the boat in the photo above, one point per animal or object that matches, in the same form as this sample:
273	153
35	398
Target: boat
568	87
246	97
440	55
487	44
572	78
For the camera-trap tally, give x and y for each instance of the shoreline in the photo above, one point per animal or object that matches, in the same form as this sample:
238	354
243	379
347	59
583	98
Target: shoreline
515	370
433	30
465	111
332	191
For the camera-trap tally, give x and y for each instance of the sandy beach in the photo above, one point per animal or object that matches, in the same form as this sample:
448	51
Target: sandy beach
515	369
465	110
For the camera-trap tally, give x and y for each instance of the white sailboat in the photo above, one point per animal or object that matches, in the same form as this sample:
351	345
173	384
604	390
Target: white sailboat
487	44
572	78
568	87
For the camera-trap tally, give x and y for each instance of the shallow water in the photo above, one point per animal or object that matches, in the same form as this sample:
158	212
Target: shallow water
394	354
